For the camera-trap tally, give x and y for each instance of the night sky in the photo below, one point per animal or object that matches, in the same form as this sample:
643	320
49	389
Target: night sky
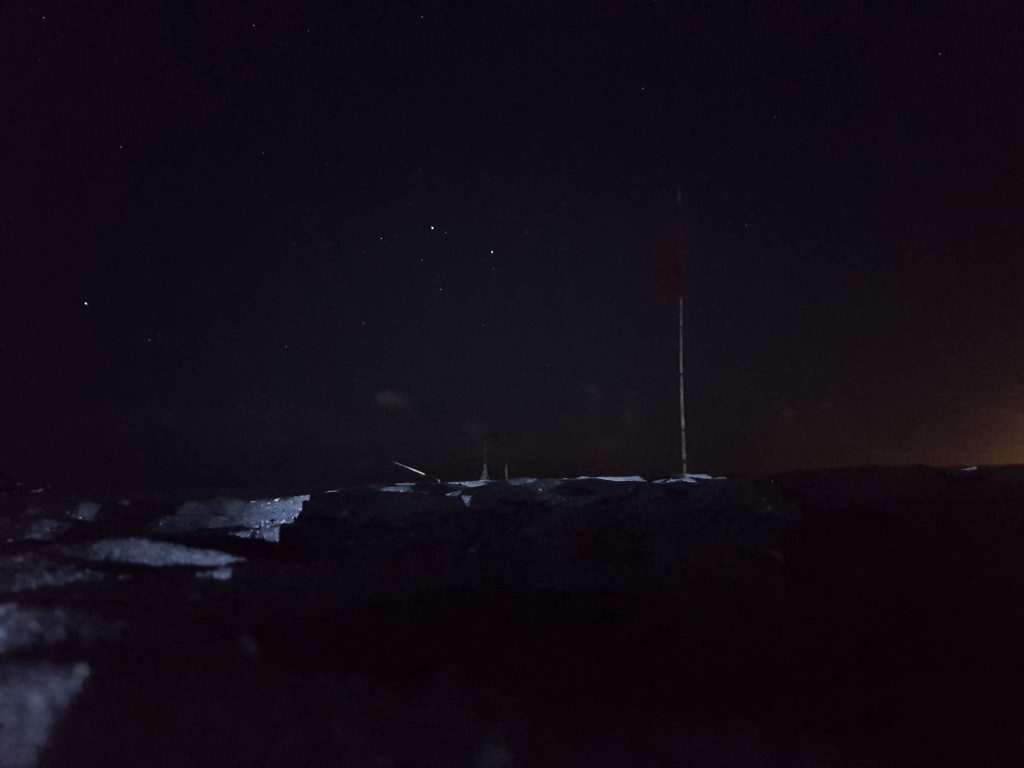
270	243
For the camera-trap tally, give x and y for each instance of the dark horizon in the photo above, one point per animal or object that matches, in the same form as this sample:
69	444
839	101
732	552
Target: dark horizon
275	246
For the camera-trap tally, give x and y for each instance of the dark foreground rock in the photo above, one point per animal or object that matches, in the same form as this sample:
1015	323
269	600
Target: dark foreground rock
848	618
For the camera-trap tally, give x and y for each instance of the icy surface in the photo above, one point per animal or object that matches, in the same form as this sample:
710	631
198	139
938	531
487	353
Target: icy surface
28	572
271	533
612	479
225	513
134	551
85	511
32	700
46	529
37	517
689	479
218	574
461	618
25	627
396	488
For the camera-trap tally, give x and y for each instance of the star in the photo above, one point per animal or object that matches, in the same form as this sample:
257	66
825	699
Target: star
85	303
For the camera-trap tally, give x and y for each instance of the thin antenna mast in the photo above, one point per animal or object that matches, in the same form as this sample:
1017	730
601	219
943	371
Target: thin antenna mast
682	389
682	395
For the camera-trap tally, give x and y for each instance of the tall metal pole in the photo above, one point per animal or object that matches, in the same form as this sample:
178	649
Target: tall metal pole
682	397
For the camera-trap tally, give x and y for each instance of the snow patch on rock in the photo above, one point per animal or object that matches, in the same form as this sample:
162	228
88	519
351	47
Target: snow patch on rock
32	701
86	511
396	488
29	571
226	513
159	554
688	479
218	574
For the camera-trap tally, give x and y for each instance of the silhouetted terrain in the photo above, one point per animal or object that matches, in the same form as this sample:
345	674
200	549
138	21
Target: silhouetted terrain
860	617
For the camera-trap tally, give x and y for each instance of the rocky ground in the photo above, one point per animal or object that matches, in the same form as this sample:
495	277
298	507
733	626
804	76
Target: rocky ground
847	618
